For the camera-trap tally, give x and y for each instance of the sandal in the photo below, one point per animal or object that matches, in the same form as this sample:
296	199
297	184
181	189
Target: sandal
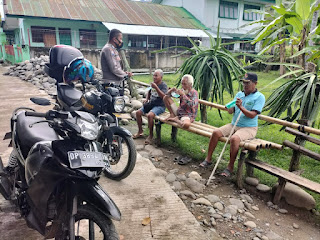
137	135
205	164
177	159
184	160
226	173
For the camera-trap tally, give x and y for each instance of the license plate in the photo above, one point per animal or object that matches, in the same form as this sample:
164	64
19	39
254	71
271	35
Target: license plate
78	159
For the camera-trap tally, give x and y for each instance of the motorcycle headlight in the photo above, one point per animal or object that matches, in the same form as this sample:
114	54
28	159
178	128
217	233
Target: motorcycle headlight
119	104
89	130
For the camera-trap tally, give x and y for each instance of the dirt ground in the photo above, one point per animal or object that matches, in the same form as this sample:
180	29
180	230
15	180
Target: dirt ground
267	219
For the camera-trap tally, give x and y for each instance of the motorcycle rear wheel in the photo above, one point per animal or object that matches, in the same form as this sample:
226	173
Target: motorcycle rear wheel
124	157
90	224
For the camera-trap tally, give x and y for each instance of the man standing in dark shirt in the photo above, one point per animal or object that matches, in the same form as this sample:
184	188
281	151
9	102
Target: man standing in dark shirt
110	60
153	105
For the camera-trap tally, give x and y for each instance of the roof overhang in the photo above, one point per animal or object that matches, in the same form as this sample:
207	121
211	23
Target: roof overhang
154	30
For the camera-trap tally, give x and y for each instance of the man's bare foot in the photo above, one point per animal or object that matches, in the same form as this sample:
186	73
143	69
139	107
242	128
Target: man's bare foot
169	117
137	135
148	141
174	118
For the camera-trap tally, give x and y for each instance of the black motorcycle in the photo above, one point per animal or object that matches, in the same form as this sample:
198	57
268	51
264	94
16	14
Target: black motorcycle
105	103
52	175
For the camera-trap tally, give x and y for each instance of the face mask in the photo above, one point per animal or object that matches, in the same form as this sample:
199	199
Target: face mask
119	45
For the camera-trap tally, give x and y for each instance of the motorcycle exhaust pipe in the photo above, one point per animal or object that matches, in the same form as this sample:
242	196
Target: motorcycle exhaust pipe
5	186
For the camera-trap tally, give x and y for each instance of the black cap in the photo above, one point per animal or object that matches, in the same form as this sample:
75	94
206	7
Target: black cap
250	77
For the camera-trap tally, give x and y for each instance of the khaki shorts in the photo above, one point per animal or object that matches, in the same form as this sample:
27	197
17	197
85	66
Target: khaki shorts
175	111
244	133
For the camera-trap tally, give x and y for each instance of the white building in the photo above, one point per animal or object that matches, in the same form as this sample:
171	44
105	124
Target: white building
230	13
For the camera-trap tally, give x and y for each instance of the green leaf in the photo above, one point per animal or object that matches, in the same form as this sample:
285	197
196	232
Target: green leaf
280	9
296	23
268	29
303	9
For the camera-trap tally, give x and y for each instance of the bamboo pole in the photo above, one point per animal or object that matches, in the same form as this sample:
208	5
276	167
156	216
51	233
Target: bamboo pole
289	124
132	88
140	83
303	150
303	135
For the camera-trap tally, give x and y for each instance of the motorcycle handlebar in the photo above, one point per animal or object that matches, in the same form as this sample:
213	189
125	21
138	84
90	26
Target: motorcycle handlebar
50	115
35	114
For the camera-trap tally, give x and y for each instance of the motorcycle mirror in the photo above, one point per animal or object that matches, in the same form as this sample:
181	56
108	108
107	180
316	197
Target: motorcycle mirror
40	101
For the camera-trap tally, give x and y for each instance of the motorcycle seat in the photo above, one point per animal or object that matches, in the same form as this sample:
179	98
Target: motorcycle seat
68	94
29	132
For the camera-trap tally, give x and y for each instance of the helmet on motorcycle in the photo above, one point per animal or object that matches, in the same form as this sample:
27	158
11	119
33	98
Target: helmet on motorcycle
78	69
91	102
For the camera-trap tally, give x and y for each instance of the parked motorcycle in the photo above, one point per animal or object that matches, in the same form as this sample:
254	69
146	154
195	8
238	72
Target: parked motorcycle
52	175
104	102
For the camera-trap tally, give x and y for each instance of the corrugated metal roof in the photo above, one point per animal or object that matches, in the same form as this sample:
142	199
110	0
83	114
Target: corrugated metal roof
113	11
157	31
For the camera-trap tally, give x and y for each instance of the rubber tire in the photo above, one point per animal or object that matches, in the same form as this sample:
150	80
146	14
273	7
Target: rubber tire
131	162
105	224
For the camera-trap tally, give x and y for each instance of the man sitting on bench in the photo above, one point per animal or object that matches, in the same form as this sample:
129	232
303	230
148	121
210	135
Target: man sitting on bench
185	114
153	105
248	102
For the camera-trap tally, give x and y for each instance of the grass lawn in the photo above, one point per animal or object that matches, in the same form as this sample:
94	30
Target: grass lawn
196	146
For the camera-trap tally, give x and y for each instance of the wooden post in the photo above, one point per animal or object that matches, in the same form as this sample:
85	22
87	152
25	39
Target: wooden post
249	169
240	168
158	132
174	132
278	193
295	160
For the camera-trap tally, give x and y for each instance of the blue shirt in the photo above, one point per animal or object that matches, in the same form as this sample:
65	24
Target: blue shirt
254	101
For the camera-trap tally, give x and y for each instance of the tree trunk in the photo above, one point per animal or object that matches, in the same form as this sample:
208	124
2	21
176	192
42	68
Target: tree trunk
302	45
295	159
291	60
282	52
203	112
127	68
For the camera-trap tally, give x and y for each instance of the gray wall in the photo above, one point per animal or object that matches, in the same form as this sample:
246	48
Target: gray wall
141	60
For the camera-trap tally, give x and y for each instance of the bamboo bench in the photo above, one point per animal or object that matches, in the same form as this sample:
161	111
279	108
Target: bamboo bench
288	176
250	148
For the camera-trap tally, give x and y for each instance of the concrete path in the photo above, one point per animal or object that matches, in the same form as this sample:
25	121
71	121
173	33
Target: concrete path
144	193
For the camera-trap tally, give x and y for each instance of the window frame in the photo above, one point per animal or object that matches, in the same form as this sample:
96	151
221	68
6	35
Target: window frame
229	47
81	34
36	31
251	7
65	31
134	39
246	43
227	4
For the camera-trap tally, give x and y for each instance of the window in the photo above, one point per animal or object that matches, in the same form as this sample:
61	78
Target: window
228	10
137	41
154	42
247	47
251	16
183	41
46	35
10	37
229	47
88	38
65	36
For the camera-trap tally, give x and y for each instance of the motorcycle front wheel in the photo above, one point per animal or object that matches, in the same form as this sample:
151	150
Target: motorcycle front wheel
90	224
123	157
